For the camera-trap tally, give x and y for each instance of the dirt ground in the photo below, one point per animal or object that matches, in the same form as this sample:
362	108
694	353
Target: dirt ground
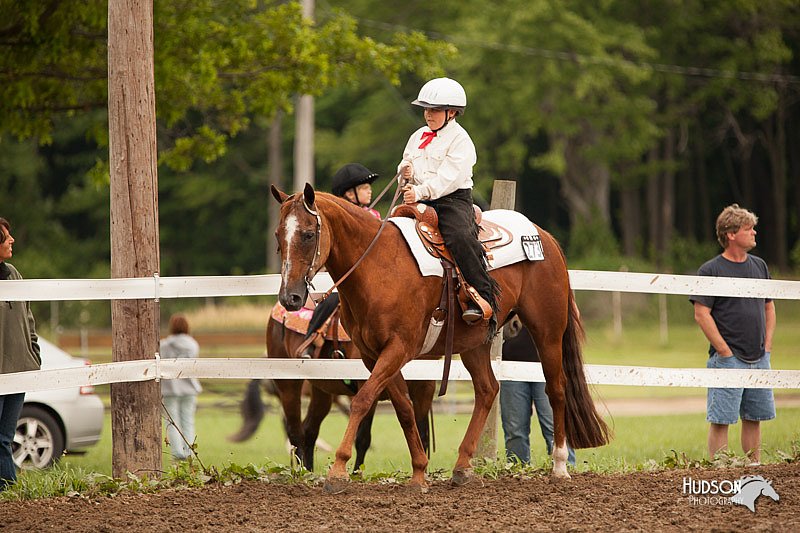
589	502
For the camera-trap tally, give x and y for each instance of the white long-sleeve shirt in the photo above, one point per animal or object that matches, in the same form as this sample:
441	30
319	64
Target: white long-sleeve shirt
180	346
444	165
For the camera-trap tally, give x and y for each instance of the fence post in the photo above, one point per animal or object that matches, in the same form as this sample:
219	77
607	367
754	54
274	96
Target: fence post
503	197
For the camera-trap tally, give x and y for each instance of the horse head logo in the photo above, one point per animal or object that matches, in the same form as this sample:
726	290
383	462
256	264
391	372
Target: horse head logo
750	488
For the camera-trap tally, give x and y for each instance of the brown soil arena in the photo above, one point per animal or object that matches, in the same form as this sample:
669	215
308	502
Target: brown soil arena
651	501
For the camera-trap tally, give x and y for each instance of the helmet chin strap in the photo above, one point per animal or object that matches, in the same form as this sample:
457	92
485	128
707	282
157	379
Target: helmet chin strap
357	200
446	120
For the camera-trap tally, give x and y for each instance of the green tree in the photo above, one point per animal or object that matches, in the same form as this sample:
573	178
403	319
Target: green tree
565	70
724	90
223	69
218	65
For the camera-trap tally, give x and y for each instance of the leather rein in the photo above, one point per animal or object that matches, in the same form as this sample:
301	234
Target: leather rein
317	252
448	289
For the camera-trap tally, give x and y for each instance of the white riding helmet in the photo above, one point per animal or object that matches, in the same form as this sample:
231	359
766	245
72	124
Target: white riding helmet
442	92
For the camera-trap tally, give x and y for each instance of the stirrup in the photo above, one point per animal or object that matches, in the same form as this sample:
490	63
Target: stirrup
472	315
478	310
308	353
306	348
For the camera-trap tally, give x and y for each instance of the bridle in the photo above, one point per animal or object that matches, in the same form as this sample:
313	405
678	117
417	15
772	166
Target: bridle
317	251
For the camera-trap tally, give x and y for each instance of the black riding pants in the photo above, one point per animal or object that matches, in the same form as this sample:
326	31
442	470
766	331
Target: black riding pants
460	234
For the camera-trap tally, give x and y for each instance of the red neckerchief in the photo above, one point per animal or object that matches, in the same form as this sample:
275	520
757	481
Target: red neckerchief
427	137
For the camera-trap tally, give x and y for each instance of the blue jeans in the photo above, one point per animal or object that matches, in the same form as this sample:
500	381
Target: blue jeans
181	409
726	405
517	399
10	408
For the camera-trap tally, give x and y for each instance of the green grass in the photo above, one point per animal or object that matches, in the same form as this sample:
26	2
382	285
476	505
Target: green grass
638	441
641	443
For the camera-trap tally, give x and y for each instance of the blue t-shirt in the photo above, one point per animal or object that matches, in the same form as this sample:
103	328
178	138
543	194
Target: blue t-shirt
741	321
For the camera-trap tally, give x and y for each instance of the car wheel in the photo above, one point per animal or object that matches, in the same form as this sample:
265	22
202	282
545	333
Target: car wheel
39	440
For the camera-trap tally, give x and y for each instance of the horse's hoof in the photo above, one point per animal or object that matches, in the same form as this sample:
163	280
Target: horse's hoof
462	476
417	488
557	477
335	485
417	484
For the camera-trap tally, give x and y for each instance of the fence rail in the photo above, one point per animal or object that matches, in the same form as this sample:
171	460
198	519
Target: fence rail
268	284
262	368
157	287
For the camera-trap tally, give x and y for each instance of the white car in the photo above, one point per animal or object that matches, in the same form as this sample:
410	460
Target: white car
55	421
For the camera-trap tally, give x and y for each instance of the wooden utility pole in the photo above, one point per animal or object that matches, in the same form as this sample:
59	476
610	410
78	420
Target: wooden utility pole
304	129
135	407
503	197
274	173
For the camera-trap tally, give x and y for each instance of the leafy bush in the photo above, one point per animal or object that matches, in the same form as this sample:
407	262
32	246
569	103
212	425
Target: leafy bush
687	254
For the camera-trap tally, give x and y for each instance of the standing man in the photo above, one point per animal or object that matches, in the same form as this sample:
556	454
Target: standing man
740	334
19	352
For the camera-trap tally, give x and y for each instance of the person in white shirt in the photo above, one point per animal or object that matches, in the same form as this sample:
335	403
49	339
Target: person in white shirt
179	396
437	167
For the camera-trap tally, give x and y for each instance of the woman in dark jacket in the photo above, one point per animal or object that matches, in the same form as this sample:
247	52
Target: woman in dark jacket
19	352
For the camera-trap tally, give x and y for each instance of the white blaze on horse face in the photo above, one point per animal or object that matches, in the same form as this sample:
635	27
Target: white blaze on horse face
291	227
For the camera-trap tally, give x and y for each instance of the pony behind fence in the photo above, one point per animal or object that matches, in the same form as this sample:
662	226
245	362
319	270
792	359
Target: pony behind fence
387	304
283	342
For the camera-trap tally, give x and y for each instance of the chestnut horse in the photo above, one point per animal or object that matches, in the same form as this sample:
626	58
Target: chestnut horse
282	342
387	305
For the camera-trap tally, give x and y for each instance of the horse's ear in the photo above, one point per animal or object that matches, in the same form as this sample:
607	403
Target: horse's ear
279	195
308	193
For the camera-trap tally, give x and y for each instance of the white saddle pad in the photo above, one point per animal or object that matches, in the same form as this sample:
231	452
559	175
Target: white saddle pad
514	252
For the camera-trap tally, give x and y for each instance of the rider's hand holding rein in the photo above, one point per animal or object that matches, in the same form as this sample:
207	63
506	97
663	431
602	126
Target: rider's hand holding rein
409	196
405	172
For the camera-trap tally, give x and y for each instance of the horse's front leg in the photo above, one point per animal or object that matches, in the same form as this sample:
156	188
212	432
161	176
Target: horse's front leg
290	392
478	364
318	409
364	438
421	393
388	364
398	392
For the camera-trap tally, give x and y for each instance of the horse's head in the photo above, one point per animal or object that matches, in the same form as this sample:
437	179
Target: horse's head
303	243
770	491
750	488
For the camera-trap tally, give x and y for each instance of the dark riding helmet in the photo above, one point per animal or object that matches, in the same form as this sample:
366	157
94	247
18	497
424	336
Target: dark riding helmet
350	176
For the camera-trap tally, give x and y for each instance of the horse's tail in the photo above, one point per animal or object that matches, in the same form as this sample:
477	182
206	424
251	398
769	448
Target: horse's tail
584	426
252	409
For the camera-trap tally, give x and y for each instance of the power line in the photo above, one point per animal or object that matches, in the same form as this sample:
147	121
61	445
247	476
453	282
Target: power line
595	60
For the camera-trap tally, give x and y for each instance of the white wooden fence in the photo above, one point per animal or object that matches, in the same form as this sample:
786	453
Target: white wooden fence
210	286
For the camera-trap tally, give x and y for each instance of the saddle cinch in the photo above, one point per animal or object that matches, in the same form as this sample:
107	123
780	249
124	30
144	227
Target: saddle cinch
490	235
